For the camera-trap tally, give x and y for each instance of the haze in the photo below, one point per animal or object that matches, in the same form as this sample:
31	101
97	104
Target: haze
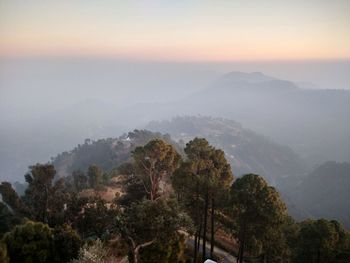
71	70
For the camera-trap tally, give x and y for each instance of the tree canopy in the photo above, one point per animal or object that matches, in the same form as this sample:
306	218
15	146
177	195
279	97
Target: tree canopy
155	161
258	210
148	222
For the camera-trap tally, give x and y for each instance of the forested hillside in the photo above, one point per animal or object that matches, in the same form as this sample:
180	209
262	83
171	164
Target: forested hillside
247	151
106	153
168	206
322	193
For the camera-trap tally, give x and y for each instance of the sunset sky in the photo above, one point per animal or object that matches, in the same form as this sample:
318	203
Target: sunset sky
177	30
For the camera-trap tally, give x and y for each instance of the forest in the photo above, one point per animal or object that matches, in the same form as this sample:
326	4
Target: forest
165	202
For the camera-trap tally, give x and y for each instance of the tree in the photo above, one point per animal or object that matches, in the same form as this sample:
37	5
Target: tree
7	219
155	161
135	191
126	168
44	197
80	180
95	175
30	242
37	242
280	241
97	218
166	252
66	243
221	179
148	222
199	183
259	214
321	241
12	210
11	198
273	245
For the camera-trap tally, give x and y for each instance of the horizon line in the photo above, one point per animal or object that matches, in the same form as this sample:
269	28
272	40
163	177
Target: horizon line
166	60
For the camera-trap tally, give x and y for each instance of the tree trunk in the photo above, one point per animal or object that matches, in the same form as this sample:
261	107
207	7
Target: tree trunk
199	236
212	241
239	252
136	250
134	256
45	213
195	247
198	221
242	252
263	258
205	226
242	244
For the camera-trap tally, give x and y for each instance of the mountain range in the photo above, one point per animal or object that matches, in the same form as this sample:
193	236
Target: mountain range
314	123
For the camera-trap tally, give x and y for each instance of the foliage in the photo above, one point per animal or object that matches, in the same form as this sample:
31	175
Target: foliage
37	242
159	219
126	168
259	214
97	218
106	153
7	219
200	182
321	241
204	169
11	198
153	162
150	229
172	250
148	222
80	180
44	197
30	242
135	191
95	176
66	243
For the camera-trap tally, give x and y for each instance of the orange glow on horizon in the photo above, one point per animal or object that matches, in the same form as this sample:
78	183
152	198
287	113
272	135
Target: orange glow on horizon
171	54
205	31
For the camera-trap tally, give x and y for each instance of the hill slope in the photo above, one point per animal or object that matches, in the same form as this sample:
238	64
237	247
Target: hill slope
106	153
325	192
315	123
247	151
322	193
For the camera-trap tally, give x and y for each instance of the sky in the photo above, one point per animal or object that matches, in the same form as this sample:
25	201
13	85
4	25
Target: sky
177	30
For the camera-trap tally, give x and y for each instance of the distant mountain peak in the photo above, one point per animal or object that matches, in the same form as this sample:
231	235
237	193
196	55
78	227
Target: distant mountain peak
252	80
246	76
